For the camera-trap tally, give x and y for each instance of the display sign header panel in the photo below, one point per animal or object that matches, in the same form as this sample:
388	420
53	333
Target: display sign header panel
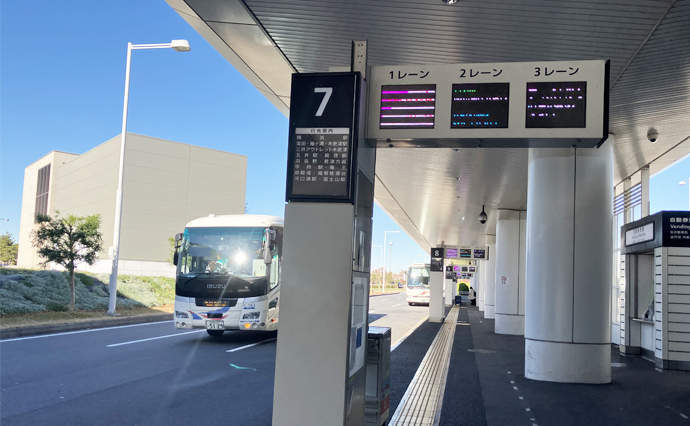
451	253
480	253
503	105
662	229
322	143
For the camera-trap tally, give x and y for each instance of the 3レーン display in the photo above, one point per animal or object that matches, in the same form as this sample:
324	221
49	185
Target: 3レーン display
548	105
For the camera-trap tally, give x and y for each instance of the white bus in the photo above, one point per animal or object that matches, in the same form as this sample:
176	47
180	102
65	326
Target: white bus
228	273
417	291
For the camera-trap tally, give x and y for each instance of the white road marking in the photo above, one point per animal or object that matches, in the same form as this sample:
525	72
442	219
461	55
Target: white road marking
683	416
152	338
515	387
249	346
509	372
371	312
521	397
396	305
512	382
83	331
528	409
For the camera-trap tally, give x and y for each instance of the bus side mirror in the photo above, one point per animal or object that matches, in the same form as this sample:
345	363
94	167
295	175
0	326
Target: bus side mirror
268	256
178	237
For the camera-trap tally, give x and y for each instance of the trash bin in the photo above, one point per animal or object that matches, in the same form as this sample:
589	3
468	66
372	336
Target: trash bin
378	388
458	299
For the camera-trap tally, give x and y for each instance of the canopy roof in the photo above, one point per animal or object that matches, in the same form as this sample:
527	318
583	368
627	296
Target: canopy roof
428	191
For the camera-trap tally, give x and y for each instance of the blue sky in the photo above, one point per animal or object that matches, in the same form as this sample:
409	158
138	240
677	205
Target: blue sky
63	66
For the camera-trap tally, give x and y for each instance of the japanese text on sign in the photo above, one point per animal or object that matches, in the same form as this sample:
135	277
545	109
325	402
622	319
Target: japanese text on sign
321	161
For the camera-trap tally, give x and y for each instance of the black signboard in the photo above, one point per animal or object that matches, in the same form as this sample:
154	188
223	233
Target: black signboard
479	254
464	269
408	106
473	269
556	105
667	228
480	105
322	142
466	253
436	260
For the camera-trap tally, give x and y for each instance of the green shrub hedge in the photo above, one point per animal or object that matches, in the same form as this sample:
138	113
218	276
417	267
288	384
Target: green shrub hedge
463	287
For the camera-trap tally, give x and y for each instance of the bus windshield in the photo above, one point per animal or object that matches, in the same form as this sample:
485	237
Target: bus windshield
418	276
222	251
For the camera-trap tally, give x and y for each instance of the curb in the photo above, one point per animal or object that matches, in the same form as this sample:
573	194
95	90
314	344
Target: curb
87	325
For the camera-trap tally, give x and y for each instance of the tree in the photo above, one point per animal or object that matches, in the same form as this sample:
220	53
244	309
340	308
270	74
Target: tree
8	249
68	241
171	253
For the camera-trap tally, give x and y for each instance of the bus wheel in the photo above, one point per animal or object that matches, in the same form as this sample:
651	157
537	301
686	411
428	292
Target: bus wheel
215	333
411	304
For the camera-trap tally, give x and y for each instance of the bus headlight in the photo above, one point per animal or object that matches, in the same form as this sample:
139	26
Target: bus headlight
180	314
251	315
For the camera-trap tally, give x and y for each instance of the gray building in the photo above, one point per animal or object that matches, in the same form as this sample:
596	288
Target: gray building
166	184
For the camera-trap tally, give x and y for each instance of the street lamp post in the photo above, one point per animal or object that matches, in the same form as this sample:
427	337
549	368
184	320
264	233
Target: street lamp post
390	258
383	279
179	46
683	183
381	256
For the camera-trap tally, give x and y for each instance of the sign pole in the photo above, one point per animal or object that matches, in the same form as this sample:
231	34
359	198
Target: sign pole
321	349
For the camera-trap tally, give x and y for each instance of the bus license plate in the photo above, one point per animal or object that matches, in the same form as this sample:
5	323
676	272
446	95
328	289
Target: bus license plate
215	325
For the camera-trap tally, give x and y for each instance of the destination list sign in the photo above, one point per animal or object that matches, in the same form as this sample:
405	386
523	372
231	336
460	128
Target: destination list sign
321	163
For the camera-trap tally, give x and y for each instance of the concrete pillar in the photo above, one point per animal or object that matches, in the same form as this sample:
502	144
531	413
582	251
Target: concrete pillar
479	281
569	246
436	309
510	272
490	279
644	180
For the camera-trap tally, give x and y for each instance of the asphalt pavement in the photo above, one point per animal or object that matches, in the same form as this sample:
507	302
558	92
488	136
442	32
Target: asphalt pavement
152	374
391	310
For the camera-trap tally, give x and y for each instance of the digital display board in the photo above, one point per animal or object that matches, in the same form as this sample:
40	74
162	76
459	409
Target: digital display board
473	269
408	106
479	254
465	253
451	253
556	105
542	104
464	269
457	268
480	105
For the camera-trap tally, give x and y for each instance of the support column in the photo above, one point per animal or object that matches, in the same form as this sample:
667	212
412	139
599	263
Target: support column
510	272
479	281
490	279
644	180
569	211
481	298
436	309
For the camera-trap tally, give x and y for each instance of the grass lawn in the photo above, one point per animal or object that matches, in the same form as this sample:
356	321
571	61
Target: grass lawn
36	297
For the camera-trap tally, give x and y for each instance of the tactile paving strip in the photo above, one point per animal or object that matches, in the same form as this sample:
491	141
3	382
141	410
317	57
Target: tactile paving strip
419	404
